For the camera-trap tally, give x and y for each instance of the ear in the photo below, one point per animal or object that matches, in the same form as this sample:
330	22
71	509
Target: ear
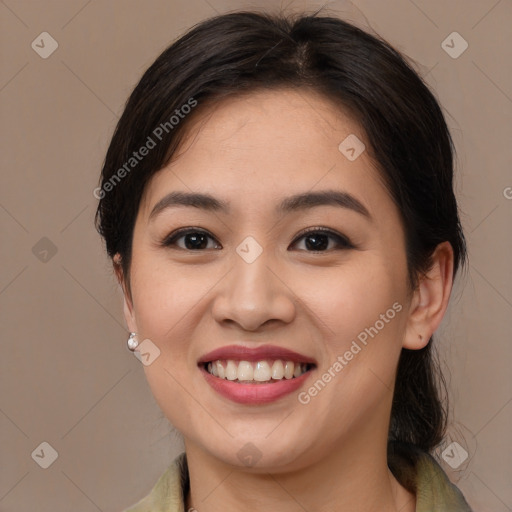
129	315
430	299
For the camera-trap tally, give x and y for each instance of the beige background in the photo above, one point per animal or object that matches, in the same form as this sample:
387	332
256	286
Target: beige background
66	374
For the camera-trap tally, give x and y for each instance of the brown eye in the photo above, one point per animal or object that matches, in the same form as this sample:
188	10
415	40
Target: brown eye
193	240
318	239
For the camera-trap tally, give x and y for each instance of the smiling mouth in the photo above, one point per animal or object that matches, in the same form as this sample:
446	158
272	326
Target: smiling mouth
257	372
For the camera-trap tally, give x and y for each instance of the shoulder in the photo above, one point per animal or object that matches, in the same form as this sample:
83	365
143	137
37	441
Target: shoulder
420	473
167	495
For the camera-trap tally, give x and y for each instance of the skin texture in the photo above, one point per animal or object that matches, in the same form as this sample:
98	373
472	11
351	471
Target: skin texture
330	454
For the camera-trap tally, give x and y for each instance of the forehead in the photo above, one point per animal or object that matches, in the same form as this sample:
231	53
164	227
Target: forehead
277	120
272	142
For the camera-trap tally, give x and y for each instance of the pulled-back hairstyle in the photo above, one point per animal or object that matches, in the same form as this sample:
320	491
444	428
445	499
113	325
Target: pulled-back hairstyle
407	137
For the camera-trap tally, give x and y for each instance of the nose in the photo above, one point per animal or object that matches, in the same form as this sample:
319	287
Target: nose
253	295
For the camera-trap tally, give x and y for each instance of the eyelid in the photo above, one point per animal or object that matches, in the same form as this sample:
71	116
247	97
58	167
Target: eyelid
166	242
319	229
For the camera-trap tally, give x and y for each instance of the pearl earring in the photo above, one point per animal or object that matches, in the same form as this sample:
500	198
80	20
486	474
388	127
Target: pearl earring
133	343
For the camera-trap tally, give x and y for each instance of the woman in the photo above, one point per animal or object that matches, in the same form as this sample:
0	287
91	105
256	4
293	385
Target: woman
277	200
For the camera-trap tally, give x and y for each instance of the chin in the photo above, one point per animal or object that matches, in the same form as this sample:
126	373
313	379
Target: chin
260	455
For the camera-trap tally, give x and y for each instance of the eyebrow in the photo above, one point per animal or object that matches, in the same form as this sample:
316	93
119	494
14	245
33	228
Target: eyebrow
293	203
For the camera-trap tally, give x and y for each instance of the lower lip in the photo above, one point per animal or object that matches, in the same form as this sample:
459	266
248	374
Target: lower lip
254	393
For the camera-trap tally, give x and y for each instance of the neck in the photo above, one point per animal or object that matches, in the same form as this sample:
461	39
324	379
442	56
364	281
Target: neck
353	477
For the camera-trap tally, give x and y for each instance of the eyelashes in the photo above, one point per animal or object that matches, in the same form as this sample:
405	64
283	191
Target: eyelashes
199	240
170	240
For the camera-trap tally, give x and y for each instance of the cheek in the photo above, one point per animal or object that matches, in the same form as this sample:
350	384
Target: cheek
167	302
163	300
362	312
347	300
167	305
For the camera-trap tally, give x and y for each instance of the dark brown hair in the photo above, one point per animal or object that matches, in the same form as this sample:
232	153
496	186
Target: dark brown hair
358	72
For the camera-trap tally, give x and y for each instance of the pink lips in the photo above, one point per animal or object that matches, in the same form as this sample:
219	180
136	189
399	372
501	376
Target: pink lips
254	393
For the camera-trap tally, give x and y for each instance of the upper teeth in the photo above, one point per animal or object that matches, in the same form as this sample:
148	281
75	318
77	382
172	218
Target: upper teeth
260	371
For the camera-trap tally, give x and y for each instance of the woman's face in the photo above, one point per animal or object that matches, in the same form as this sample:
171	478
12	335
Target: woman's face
248	283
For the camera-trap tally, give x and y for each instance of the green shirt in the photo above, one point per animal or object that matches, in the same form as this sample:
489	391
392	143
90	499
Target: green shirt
415	470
